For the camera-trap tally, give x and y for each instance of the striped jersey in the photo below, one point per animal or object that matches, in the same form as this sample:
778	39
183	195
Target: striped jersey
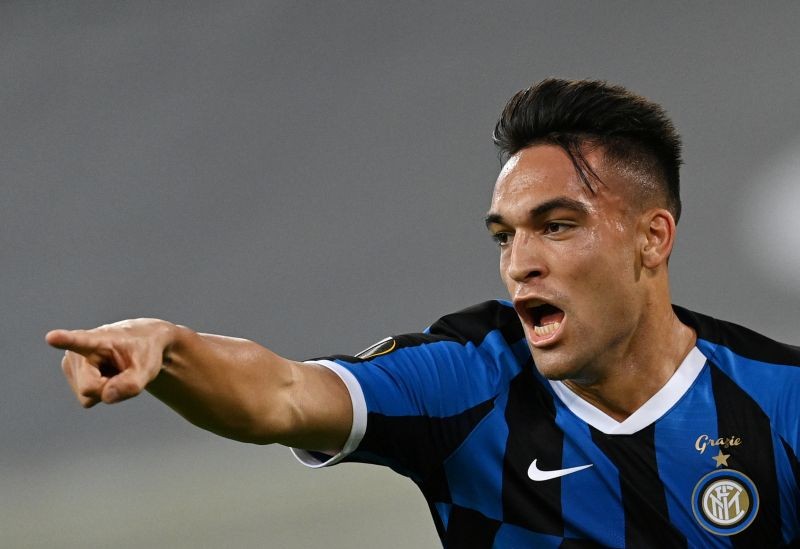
507	458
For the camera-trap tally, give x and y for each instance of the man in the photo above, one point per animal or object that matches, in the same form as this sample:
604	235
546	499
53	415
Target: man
587	411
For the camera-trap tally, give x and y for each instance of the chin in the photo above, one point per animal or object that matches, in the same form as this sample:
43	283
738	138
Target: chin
555	375
555	364
550	366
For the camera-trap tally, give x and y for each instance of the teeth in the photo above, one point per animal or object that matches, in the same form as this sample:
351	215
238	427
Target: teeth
547	329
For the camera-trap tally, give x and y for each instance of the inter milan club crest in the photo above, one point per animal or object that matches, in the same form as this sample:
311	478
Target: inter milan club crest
725	502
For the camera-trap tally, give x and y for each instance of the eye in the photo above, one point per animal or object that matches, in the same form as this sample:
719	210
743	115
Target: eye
502	239
555	227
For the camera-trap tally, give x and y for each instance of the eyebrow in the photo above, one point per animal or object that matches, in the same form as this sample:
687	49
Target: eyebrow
561	202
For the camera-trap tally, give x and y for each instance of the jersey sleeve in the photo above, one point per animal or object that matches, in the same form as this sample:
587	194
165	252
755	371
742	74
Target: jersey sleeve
416	397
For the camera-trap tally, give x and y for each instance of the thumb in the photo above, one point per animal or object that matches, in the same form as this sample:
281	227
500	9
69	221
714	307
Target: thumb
127	384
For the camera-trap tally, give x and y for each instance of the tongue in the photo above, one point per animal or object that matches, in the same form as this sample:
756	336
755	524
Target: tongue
550	315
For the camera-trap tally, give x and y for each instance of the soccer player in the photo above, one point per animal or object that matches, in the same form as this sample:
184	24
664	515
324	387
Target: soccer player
587	410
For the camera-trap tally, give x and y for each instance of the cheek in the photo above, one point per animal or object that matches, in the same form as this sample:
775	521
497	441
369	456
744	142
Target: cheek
612	293
589	246
507	281
602	269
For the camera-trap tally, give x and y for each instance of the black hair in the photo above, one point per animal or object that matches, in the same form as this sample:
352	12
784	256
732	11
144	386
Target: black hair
633	132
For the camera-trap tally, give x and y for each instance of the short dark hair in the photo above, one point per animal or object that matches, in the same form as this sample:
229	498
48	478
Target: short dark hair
633	132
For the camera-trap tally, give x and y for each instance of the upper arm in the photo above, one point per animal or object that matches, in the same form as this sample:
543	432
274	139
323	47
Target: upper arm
319	409
413	403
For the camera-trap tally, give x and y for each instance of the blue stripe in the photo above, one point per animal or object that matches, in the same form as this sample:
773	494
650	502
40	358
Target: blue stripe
759	379
590	499
439	379
510	536
475	471
444	512
680	464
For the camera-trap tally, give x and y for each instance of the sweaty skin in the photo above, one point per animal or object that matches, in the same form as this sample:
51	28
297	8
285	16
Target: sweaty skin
600	257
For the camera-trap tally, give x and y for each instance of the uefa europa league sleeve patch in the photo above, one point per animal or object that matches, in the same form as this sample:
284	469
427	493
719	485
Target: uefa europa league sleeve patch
725	502
383	347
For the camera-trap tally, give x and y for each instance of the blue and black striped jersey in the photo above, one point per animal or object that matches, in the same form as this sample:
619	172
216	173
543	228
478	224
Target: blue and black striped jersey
506	458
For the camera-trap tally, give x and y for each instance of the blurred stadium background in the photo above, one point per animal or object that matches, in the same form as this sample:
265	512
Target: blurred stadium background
313	176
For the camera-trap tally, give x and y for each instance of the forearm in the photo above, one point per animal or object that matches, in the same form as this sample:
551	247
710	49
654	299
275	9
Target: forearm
230	386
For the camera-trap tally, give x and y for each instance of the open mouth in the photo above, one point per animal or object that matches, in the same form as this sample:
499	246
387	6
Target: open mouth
546	319
544	322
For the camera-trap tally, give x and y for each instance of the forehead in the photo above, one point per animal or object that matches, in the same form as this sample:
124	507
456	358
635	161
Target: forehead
542	172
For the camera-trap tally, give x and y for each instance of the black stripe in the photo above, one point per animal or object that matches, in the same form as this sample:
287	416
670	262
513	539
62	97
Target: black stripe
469	529
570	543
643	498
416	446
742	341
793	461
738	415
533	434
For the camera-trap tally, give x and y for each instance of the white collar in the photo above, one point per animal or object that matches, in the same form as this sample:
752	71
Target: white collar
658	404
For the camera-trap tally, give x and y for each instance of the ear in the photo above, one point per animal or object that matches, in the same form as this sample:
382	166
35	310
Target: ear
657	232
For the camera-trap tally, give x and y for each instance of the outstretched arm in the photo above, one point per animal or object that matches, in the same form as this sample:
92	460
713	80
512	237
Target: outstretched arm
232	387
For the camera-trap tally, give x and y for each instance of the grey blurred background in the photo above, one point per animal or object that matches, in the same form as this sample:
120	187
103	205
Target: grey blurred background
313	176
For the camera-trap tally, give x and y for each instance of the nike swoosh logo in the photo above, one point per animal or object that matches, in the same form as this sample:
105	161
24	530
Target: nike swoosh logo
538	475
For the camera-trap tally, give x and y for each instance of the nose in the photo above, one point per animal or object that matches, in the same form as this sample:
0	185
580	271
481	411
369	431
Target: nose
524	262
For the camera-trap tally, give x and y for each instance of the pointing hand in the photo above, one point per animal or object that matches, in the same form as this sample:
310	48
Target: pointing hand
113	362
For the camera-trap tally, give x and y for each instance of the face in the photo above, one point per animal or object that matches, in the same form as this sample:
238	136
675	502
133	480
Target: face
569	260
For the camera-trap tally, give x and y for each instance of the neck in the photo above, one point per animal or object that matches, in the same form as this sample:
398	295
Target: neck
641	367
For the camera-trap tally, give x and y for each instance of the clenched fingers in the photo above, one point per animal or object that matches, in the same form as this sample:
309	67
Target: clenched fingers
84	378
126	384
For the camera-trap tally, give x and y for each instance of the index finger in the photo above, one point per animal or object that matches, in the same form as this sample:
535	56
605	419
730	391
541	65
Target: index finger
79	341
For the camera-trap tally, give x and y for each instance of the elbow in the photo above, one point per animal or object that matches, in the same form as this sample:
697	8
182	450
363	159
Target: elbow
273	415
273	426
252	427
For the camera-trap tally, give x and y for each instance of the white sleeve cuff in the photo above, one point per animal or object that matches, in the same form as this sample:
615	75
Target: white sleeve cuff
320	459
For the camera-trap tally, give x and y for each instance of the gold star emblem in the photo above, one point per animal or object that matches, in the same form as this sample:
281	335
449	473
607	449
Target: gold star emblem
721	459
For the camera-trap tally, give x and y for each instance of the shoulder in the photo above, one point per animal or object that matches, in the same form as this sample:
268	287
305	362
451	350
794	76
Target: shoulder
761	368
462	360
487	332
475	323
748	367
471	325
721	337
